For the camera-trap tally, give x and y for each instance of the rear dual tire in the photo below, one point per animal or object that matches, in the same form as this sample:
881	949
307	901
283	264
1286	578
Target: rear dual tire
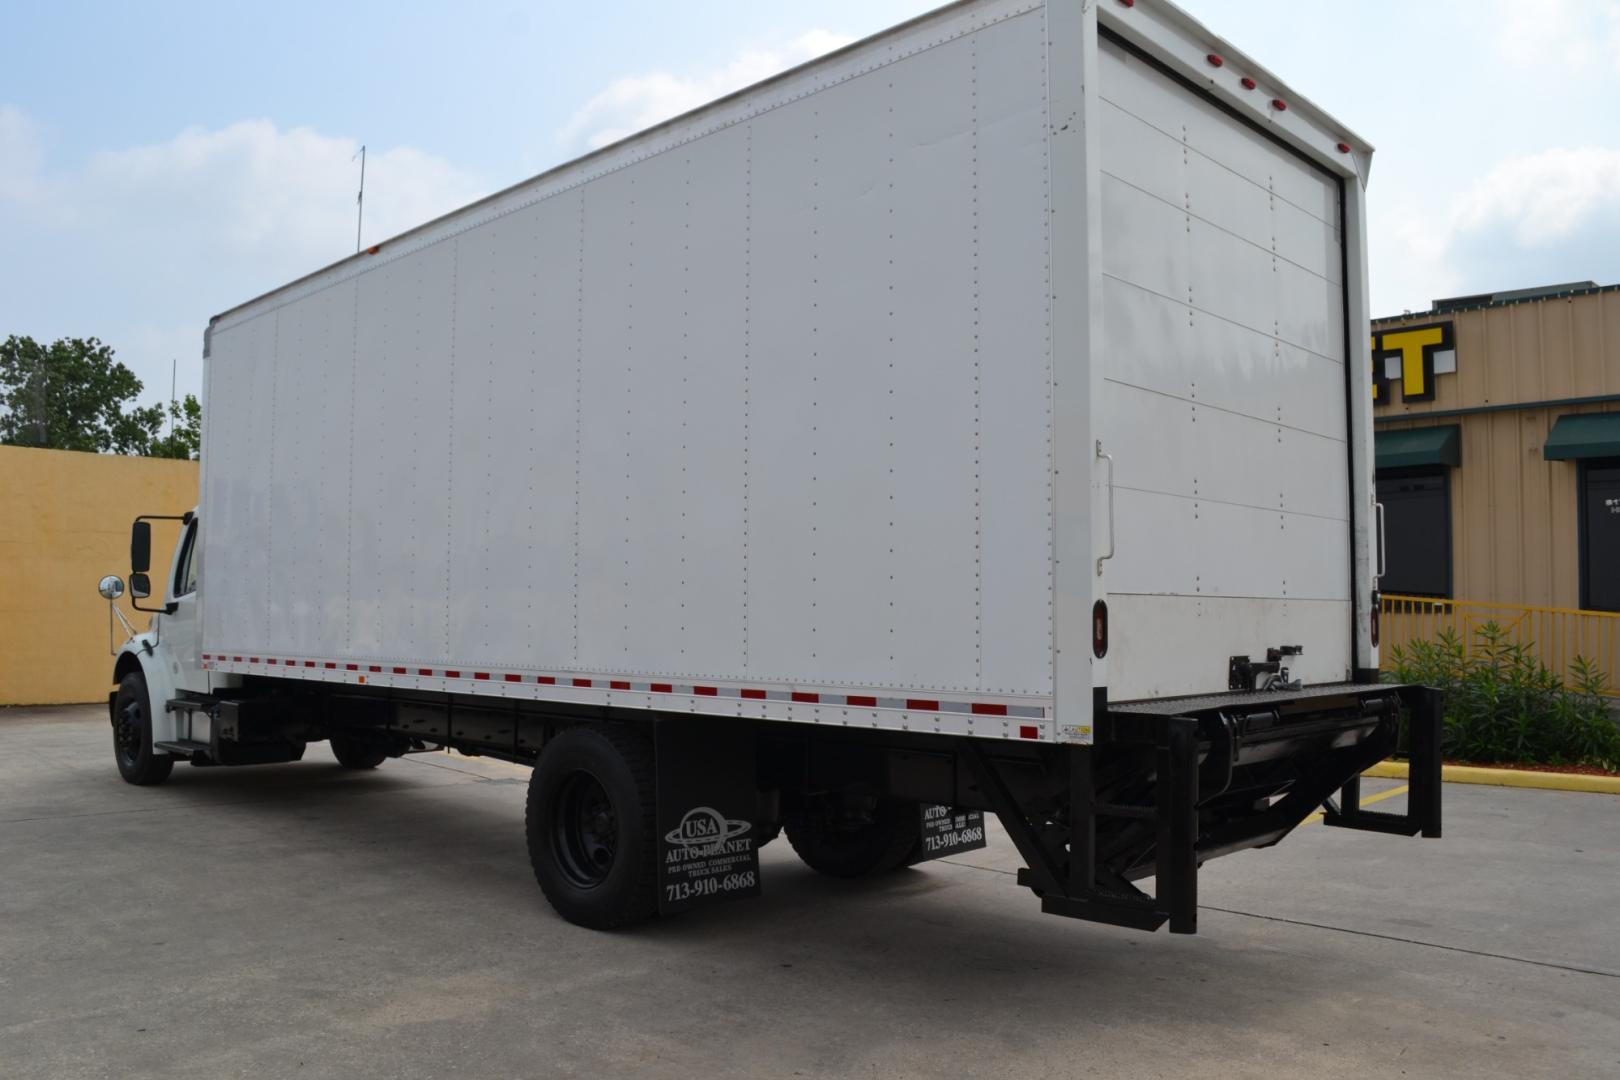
353	753
591	826
886	842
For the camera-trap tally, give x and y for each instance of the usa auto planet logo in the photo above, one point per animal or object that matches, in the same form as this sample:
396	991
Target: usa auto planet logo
705	831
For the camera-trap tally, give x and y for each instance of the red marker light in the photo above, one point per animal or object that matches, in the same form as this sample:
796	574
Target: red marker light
1248	83
1279	104
1214	60
1127	3
1344	148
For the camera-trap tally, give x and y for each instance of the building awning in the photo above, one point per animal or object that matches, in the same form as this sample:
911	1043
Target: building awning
1417	446
1588	435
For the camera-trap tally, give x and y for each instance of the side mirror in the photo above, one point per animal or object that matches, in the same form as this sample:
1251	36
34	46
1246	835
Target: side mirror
110	587
140	587
140	552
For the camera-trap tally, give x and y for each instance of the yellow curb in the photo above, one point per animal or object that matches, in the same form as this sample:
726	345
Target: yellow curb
1520	778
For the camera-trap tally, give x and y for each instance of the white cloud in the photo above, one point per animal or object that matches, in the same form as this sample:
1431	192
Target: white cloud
139	246
1569	35
1535	219
636	102
285	197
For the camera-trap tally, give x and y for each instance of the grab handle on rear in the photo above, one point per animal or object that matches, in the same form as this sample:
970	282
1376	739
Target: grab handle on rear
1383	559
1110	459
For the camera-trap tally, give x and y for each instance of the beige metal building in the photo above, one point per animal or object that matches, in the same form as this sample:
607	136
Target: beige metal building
1498	447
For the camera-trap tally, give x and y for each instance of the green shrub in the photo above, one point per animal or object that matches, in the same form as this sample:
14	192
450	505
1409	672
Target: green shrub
1504	705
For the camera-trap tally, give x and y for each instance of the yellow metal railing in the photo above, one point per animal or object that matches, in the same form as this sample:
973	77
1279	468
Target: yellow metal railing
1556	635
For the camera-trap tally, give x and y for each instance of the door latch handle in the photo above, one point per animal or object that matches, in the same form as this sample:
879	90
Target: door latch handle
1110	459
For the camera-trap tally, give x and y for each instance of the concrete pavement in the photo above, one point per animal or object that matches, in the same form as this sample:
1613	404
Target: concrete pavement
302	920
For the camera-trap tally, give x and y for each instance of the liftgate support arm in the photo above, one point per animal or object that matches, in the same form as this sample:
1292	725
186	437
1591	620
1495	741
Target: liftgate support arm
1426	719
1061	857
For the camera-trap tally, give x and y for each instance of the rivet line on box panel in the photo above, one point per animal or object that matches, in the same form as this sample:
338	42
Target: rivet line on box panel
891	456
270	517
629	411
1046	255
815	359
748	285
450	440
348	563
579	395
978	375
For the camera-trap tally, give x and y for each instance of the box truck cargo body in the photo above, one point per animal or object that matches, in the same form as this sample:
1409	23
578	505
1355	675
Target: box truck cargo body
974	418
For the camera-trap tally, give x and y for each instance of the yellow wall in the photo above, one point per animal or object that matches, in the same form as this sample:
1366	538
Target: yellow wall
1514	515
64	522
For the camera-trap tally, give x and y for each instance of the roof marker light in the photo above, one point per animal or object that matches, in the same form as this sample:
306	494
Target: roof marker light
1127	3
1279	104
1248	83
1214	60
1344	148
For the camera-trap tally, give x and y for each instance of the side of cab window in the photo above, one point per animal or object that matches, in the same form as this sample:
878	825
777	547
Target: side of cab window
185	578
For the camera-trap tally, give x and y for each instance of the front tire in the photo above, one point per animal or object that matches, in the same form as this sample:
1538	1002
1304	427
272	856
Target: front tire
590	826
850	847
137	762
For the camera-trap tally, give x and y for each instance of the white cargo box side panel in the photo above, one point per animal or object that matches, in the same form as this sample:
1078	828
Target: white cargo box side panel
761	398
1225	400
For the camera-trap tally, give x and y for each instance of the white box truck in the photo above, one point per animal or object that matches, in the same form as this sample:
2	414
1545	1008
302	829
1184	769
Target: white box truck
976	418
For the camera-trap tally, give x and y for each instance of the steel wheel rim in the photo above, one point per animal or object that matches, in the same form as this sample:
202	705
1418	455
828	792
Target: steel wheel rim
585	830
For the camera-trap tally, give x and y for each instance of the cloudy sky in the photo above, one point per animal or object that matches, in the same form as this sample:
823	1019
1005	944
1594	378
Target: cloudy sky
161	162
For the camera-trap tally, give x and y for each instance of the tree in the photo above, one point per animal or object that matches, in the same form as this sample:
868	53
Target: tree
72	395
185	442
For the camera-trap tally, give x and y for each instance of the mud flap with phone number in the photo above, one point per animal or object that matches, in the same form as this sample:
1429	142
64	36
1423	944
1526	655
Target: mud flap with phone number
707	835
947	830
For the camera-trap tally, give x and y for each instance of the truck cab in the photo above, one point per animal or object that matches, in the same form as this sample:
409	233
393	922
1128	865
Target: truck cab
155	666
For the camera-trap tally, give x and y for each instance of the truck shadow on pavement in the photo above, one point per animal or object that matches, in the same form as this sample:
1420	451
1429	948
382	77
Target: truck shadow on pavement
460	841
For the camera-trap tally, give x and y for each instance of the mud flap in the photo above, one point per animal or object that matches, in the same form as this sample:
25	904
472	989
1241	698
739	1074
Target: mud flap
947	830
707	797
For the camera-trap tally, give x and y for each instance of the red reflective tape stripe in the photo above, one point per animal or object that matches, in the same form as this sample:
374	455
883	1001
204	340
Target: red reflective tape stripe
513	678
982	709
707	691
399	671
662	688
922	704
330	665
480	674
752	693
351	667
618	685
424	671
582	682
253	659
545	680
236	659
1029	731
452	674
811	699
862	702
309	663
